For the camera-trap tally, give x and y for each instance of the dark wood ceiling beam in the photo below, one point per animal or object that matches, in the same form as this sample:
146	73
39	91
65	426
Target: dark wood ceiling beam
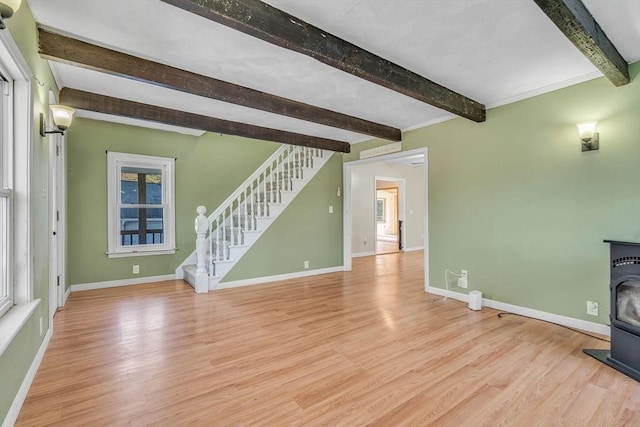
577	23
267	23
120	107
67	50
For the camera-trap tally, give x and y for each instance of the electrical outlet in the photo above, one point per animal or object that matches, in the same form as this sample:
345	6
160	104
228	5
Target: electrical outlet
306	264
330	209
136	269
592	308
462	282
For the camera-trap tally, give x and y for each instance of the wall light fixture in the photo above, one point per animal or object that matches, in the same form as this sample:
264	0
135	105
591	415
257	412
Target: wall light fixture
7	9
62	117
588	135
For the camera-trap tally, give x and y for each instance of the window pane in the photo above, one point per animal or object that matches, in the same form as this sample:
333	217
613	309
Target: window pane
141	186
155	225
141	226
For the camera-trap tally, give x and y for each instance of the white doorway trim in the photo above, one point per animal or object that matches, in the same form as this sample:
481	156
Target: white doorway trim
347	208
401	205
56	215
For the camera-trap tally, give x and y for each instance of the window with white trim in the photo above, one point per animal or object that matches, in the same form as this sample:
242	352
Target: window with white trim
6	195
16	141
141	205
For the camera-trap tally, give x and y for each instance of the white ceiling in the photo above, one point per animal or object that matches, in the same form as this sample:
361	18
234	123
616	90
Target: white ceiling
493	51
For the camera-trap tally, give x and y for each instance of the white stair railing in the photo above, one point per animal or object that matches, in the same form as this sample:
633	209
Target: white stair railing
238	215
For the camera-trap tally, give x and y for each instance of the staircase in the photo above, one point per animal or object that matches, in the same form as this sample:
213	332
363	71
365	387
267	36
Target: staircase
226	235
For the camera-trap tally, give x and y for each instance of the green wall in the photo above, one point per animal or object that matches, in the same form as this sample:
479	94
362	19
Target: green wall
17	358
304	231
208	169
516	203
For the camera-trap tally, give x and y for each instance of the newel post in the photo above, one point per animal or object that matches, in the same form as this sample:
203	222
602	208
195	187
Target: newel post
202	226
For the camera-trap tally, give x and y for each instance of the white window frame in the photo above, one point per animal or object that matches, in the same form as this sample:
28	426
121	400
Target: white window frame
17	152
115	163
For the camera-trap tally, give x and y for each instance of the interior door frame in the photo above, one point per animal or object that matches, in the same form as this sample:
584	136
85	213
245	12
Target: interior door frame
401	203
56	214
347	225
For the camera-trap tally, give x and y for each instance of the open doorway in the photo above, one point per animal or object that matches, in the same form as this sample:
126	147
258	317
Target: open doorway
360	203
388	218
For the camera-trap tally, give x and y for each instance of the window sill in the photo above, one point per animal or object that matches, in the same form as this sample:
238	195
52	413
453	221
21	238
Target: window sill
13	321
140	253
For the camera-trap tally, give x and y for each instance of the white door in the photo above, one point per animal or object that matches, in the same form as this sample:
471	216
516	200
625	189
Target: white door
56	248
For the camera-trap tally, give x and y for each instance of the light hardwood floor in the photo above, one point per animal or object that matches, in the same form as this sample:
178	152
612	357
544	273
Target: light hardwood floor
386	247
358	348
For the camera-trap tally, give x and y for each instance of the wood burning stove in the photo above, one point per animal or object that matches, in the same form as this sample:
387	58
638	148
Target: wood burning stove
625	310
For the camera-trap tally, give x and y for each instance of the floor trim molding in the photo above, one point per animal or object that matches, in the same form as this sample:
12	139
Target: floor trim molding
18	401
570	322
123	282
67	292
278	277
361	254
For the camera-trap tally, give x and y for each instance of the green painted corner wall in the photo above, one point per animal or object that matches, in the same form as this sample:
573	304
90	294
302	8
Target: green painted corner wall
304	231
208	169
516	203
17	358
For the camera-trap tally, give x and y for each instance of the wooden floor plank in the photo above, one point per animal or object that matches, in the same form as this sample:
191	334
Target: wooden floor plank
366	347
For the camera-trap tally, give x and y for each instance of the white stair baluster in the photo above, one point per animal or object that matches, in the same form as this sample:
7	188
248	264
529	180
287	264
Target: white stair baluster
271	193
246	212
279	177
295	160
264	195
218	238
253	206
260	195
237	224
230	224
234	237
287	166
212	269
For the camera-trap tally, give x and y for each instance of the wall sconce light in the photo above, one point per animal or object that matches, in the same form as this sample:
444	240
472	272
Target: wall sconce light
62	117
589	136
7	9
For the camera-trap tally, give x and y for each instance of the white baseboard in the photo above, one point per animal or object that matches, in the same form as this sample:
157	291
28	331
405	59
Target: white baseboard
570	322
361	254
124	282
268	279
65	297
417	248
18	401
